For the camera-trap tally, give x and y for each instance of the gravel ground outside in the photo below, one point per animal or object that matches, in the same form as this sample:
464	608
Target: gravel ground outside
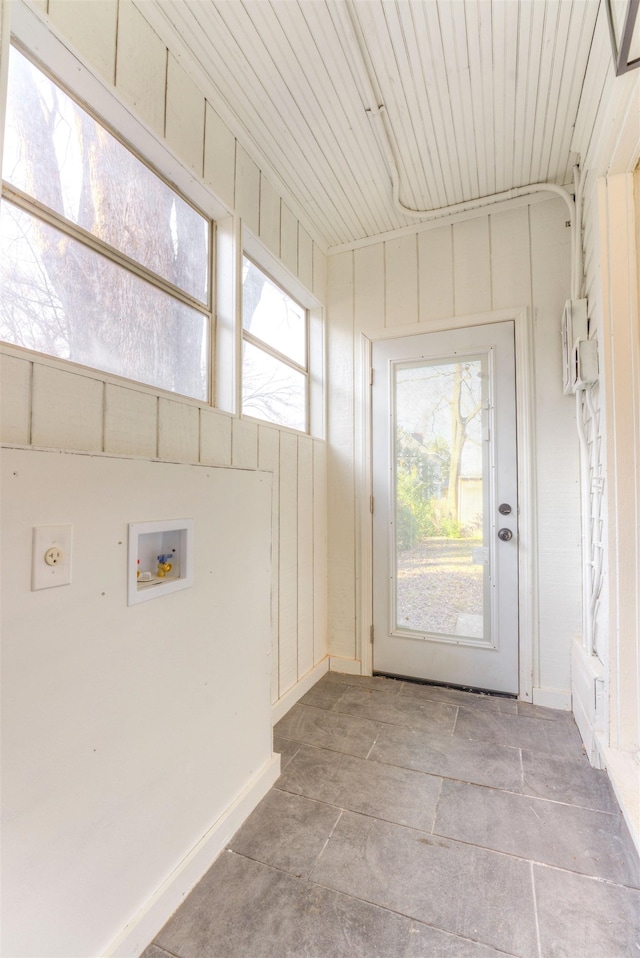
438	581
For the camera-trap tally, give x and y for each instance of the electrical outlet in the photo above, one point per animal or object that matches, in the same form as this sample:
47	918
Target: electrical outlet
51	559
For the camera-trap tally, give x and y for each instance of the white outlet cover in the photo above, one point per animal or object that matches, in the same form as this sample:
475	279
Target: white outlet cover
45	576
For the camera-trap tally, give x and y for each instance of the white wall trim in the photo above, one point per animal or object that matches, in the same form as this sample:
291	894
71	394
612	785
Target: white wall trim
144	926
553	698
623	769
525	424
346	666
289	699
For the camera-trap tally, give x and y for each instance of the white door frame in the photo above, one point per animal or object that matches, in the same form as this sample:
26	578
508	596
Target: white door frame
527	578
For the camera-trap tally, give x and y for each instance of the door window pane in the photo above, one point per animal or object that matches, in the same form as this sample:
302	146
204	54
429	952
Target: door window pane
442	566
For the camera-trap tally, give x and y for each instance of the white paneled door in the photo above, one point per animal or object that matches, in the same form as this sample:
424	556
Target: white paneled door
445	530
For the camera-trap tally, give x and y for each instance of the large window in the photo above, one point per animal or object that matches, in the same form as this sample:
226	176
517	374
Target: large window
275	378
101	261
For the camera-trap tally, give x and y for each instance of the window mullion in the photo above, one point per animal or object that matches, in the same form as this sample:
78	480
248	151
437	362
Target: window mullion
260	344
32	206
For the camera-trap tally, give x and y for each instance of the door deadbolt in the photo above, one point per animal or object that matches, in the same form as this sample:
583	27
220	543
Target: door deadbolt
504	509
505	534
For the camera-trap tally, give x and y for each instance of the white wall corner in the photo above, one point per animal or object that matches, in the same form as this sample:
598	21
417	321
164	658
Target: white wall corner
289	699
148	921
552	698
349	666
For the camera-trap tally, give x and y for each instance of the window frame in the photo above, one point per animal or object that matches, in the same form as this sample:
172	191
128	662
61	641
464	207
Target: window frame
67	73
257	343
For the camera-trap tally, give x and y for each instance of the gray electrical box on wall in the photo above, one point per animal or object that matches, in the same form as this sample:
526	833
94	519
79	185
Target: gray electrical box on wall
160	558
579	353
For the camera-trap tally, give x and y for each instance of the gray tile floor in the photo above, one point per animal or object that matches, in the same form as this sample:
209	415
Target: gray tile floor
412	821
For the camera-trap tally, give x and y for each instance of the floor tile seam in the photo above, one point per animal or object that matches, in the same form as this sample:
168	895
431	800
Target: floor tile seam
364	718
171	954
531	861
536	798
437	806
361	685
473	941
353	811
411	918
535	909
326	842
495	788
525	748
462	781
597	878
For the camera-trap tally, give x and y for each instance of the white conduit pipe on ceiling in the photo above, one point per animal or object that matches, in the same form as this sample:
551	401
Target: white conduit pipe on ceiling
378	112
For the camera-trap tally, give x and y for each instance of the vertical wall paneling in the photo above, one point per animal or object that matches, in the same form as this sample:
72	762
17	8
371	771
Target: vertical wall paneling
471	265
269	459
401	273
67	410
130	422
91	28
340	466
269	216
319	273
215	438
141	68
178	431
369	287
510	264
435	265
289	239
219	157
247	200
320	621
305	257
305	556
184	124
15	400
288	573
519	256
557	480
244	444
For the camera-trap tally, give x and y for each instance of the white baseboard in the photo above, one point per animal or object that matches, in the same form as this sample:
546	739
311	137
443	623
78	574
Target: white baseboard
289	699
587	676
623	769
145	925
350	666
552	698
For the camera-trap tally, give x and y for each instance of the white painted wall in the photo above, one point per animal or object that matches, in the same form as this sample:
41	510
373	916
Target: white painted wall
128	732
517	256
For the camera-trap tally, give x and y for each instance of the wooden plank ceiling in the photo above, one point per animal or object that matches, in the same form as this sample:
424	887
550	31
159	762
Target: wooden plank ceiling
480	96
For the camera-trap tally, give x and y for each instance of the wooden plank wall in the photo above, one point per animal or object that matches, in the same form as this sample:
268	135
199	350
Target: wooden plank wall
519	256
49	404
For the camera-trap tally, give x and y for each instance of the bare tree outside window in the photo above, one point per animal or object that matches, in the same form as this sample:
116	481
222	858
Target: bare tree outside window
93	244
275	369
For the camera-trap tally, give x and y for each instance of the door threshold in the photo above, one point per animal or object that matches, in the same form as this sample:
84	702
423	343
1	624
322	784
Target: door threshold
448	685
